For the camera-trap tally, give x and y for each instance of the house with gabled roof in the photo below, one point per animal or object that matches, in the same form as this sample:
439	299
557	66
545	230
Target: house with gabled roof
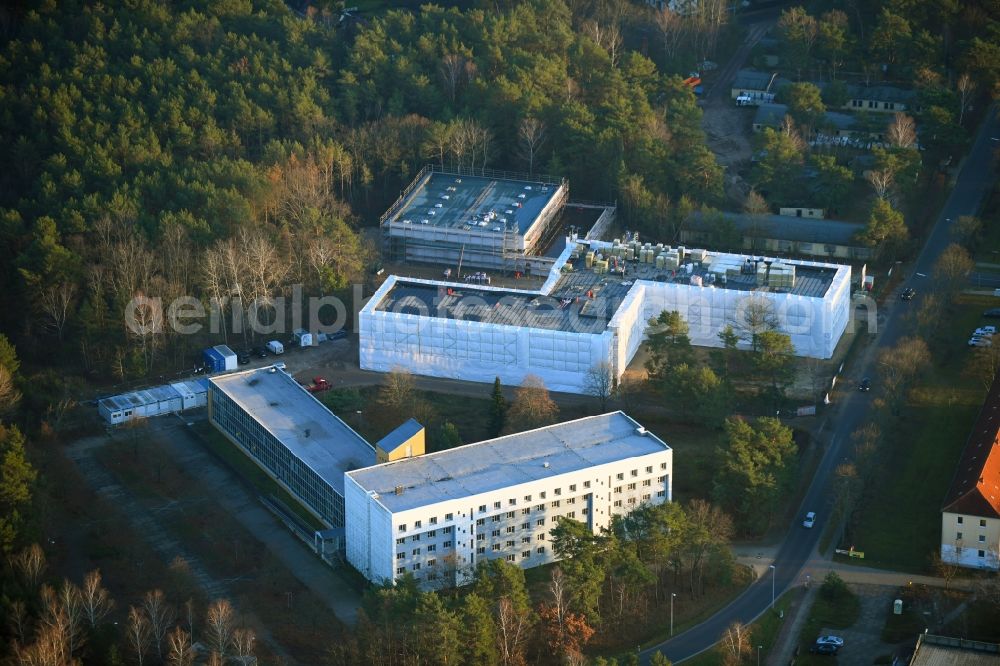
970	517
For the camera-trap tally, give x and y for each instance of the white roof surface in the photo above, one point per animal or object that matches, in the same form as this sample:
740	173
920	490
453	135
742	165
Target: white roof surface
507	461
298	420
153	395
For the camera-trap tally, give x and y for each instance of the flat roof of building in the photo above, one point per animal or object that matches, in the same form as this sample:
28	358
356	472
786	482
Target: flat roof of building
466	202
787	227
932	650
314	434
581	301
772	115
507	461
754	79
154	394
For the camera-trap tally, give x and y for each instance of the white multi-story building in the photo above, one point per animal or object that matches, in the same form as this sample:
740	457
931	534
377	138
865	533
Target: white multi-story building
437	515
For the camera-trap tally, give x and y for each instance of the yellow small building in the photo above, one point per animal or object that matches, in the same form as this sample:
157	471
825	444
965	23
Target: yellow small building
406	441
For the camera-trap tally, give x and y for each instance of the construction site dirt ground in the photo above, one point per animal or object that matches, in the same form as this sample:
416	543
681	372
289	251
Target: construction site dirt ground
729	134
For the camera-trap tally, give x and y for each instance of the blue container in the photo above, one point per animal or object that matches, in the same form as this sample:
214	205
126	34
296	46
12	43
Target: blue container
214	361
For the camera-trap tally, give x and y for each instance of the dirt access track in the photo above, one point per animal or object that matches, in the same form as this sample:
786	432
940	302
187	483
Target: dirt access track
728	128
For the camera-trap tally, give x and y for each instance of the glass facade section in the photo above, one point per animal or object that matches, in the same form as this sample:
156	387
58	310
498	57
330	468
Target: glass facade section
265	449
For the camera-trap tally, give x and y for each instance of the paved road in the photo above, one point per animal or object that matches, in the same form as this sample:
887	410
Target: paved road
973	183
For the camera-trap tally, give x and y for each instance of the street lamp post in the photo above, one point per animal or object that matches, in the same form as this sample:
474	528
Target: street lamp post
773	572
672	595
758	654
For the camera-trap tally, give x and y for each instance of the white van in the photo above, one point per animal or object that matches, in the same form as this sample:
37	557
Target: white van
275	347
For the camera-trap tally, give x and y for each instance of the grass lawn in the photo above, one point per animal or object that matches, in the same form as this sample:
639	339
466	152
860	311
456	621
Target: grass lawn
248	470
901	627
900	526
979	622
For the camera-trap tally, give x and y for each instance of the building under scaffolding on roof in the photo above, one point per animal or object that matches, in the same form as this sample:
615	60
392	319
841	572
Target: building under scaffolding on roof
478	218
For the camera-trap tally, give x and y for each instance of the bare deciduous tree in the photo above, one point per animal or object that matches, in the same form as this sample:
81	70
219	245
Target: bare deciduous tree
17	620
735	644
599	382
97	603
71	602
881	181
902	132
243	642
54	302
530	137
790	130
966	87
983	365
929	313
180	651
512	632
30	564
9	395
453	73
49	649
532	407
945	570
137	632
900	364
756	208
161	616
608	36
219	621
866	448
671	27
953	267
755	315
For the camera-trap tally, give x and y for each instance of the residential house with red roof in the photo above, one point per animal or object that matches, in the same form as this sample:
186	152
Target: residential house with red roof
970	518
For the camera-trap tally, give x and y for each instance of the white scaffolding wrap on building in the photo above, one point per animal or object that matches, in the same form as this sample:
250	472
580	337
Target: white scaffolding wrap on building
590	312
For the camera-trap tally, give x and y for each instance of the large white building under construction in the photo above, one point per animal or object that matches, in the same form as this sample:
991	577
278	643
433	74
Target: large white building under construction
594	309
495	220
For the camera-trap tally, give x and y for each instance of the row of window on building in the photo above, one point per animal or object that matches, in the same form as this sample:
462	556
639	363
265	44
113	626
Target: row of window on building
431	563
572	488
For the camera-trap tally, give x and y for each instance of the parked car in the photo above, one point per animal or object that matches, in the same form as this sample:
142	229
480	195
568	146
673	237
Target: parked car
979	341
985	331
830	650
275	347
865	385
908	294
830	640
243	357
810	519
260	352
993	313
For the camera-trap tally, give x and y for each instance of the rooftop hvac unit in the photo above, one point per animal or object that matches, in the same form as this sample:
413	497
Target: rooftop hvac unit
641	431
399	490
